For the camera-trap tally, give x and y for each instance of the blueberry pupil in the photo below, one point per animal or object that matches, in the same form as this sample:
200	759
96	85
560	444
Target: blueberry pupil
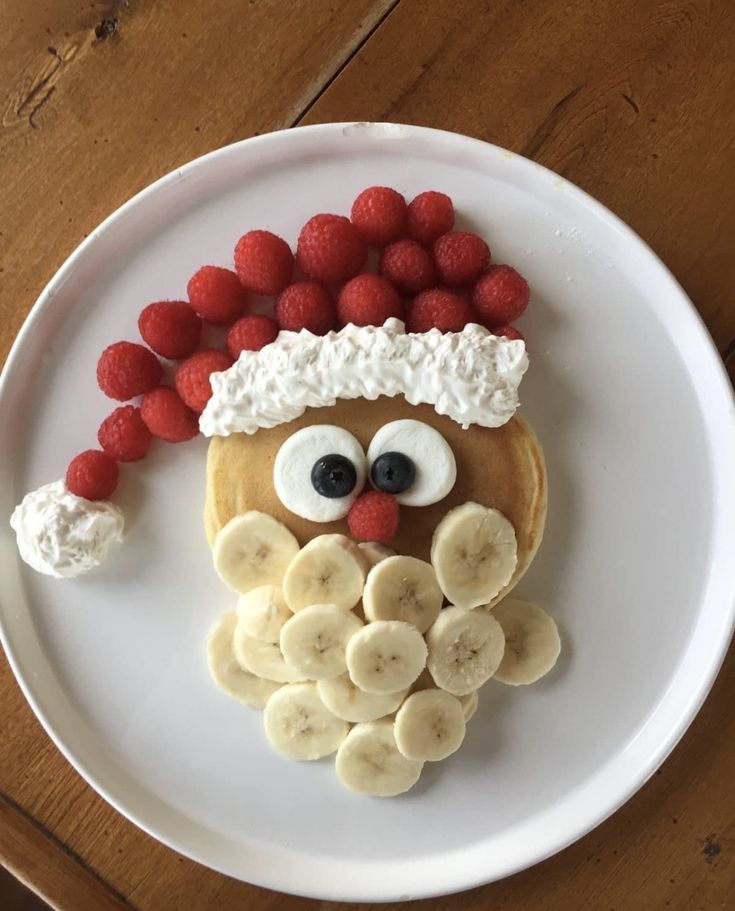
333	476
393	472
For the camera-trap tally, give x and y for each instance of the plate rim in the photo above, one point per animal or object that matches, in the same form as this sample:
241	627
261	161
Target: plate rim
352	887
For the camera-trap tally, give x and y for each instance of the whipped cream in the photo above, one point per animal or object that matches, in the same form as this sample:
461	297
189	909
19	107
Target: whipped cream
471	376
63	535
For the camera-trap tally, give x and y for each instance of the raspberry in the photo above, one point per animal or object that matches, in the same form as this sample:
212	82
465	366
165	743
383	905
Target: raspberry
167	417
408	265
124	436
460	257
192	377
441	310
92	475
500	295
368	300
306	305
330	249
171	328
251	333
380	215
217	295
125	370
463	291
374	516
264	262
509	332
430	215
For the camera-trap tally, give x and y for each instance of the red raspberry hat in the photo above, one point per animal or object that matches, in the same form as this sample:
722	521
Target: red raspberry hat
270	377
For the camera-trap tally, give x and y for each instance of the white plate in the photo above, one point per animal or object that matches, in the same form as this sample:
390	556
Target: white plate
636	417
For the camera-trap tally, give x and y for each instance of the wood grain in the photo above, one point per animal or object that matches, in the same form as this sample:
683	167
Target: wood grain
632	101
43	864
100	99
628	100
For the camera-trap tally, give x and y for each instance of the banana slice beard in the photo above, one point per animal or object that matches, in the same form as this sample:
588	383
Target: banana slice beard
424	681
264	659
226	672
347	701
253	549
330	569
429	726
469	704
374	552
464	649
468	701
385	656
532	643
262	612
299	725
474	554
403	588
313	642
369	762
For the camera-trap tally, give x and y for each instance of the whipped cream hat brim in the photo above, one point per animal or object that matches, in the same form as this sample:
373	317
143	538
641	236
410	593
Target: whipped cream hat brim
471	376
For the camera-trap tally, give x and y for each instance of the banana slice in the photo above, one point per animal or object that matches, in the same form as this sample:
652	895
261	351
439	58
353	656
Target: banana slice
474	554
253	549
262	658
464	649
385	656
532	642
347	701
328	570
374	552
429	726
403	588
299	725
314	640
227	673
369	762
469	704
424	681
262	612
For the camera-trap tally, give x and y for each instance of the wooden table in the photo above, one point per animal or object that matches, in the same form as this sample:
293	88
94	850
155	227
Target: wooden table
629	99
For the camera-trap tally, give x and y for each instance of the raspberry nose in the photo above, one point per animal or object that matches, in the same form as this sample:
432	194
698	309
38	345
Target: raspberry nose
374	516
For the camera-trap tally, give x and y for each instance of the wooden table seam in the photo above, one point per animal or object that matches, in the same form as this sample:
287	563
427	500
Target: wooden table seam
48	844
345	63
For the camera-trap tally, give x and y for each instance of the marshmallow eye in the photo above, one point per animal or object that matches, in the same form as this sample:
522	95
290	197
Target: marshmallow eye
319	472
412	461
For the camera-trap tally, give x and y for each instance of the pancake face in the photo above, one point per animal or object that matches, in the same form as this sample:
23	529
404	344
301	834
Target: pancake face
499	467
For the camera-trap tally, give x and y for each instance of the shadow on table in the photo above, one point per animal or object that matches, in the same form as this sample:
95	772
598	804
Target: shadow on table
15	897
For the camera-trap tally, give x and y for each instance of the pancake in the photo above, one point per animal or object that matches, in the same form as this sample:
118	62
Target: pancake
501	467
